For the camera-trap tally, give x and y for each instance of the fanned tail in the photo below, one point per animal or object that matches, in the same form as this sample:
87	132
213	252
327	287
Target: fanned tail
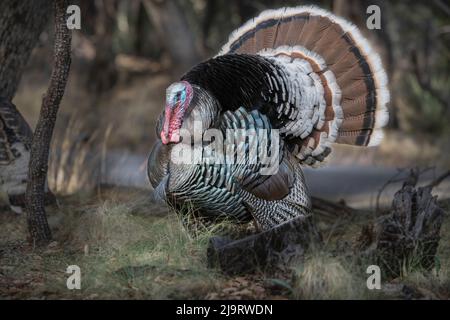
354	82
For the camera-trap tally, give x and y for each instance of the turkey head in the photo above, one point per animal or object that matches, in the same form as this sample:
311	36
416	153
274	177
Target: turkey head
189	111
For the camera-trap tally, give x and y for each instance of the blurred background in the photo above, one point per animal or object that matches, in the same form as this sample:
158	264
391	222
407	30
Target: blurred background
128	51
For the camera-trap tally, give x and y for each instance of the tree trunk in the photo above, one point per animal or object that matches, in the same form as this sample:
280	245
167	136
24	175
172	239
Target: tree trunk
174	31
140	30
208	20
21	23
37	221
103	73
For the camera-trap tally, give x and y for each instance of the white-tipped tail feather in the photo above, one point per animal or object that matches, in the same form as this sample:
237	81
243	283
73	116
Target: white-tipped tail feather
354	83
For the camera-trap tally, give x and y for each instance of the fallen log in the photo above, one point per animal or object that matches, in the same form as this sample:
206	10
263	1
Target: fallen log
270	250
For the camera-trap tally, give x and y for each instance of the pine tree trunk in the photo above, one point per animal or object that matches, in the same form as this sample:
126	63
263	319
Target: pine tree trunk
175	33
21	23
37	221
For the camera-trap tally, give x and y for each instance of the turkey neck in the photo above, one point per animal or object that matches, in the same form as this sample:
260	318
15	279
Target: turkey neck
239	80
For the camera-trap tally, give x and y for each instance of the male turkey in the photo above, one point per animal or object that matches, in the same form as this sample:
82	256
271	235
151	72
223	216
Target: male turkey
15	145
301	72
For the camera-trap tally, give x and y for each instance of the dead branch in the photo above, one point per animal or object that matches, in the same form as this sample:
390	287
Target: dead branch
411	179
331	209
439	180
37	221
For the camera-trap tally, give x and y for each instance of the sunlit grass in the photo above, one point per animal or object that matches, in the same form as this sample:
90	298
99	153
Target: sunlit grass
128	247
141	256
324	277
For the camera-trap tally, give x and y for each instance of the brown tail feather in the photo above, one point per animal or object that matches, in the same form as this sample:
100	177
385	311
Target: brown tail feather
355	84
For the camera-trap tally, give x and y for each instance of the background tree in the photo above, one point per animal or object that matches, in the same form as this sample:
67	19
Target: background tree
174	31
21	23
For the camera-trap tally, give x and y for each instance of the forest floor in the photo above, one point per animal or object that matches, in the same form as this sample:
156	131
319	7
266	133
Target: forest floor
130	248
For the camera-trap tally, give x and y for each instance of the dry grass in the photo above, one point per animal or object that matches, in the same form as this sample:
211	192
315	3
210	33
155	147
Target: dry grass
324	277
130	248
123	251
77	157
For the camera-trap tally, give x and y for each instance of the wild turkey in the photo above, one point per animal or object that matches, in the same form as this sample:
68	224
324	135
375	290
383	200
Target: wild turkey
15	145
302	72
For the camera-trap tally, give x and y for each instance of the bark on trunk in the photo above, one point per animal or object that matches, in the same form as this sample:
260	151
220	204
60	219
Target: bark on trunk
37	221
21	23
